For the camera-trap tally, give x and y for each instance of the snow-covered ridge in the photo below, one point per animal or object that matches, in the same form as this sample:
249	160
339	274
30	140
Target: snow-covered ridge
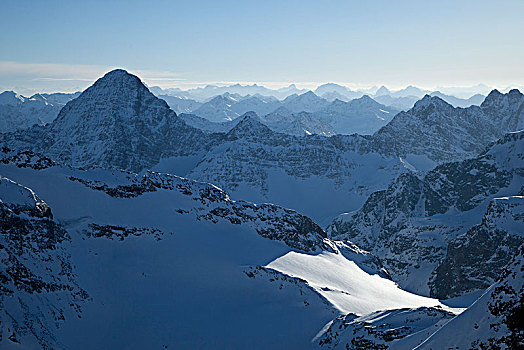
37	284
410	224
208	201
442	132
362	115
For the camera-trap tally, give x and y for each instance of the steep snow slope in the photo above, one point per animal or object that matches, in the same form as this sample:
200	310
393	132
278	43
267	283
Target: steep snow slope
345	285
167	261
410	224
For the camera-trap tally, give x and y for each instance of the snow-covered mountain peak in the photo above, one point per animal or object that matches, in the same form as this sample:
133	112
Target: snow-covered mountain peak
364	101
382	91
115	123
118	85
10	98
495	99
113	100
38	97
310	95
429	100
494	95
249	125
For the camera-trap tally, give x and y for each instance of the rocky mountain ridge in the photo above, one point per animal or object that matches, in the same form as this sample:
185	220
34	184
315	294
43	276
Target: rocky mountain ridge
412	223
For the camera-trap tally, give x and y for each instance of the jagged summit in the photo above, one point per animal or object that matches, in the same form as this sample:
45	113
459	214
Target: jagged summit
429	100
10	98
115	123
447	132
118	76
492	96
496	99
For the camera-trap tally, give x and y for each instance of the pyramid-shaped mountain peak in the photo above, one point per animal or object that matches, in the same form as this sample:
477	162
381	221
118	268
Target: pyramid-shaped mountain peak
249	125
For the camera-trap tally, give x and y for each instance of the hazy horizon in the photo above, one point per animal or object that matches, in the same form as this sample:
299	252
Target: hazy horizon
64	46
63	85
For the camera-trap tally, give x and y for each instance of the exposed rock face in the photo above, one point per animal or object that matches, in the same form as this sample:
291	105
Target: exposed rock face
252	149
209	202
410	224
37	281
443	133
115	123
475	259
213	204
255	162
492	322
119	123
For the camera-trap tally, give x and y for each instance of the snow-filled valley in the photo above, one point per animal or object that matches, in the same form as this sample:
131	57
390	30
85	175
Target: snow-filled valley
256	219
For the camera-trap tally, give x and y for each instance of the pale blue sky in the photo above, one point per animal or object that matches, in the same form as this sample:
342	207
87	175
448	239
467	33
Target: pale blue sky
64	45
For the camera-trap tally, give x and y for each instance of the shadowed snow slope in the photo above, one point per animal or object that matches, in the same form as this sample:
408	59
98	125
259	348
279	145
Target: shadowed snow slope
167	261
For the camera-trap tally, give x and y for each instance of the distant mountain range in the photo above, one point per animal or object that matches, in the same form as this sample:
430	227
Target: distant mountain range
124	213
327	103
19	112
298	115
329	91
118	123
